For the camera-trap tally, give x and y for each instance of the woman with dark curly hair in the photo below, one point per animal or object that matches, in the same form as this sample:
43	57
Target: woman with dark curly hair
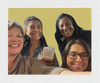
35	41
67	29
77	56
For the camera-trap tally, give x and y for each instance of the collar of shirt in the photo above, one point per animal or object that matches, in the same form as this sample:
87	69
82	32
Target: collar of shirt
36	53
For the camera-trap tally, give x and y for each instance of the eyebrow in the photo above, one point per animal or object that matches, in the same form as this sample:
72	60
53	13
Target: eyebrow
72	51
20	33
17	33
34	25
38	25
76	52
66	23
31	25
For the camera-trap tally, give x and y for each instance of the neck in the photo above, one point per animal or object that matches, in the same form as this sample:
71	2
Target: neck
12	56
35	43
68	39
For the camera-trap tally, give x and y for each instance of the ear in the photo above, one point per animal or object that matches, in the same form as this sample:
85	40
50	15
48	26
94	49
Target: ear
25	31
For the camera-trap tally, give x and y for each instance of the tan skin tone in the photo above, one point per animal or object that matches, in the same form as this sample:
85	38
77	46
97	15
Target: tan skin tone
67	72
34	31
77	64
15	44
66	28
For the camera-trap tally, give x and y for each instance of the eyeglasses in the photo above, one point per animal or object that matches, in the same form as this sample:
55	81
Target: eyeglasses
74	55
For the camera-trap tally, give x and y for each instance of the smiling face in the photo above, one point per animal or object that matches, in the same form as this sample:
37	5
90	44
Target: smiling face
77	64
66	27
15	41
34	30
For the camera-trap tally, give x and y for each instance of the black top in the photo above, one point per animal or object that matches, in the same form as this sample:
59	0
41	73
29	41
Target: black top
86	36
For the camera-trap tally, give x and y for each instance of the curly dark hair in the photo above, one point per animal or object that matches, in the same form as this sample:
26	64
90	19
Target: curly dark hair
26	37
67	48
77	30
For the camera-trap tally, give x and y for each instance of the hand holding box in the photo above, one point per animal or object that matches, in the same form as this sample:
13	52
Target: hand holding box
48	53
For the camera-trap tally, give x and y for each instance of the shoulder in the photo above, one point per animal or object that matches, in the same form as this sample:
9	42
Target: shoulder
86	31
86	34
28	58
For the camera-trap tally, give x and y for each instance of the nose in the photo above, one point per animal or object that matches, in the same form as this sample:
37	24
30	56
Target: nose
64	27
78	59
36	29
14	39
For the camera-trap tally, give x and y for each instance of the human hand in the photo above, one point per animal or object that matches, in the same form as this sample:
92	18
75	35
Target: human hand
47	62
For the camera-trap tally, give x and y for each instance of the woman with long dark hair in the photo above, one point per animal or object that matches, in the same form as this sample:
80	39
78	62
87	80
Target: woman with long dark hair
67	29
35	40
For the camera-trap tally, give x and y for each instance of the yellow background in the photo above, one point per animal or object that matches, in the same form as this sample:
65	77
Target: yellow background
48	16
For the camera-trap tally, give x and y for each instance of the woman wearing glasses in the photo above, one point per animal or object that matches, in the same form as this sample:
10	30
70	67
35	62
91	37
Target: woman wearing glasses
77	56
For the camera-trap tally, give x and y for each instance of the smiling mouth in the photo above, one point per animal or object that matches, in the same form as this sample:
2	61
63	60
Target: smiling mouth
78	66
14	45
36	34
66	31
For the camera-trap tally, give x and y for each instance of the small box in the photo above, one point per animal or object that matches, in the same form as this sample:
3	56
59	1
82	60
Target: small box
48	53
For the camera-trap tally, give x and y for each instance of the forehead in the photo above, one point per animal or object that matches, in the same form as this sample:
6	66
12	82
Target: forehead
34	22
65	19
77	48
14	29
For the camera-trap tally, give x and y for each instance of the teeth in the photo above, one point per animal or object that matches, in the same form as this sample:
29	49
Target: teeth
78	65
66	31
36	34
13	45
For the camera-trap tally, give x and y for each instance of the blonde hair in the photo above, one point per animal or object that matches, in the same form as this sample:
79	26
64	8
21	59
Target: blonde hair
12	24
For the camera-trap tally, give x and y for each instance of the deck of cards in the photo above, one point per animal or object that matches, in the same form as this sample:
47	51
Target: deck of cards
48	53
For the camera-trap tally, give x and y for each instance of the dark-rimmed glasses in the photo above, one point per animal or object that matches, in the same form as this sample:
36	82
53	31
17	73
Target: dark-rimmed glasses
74	55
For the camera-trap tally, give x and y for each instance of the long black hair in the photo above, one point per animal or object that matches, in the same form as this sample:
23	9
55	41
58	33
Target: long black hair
77	30
26	37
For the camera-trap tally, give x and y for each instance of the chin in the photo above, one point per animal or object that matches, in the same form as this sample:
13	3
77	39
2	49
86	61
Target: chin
67	36
36	39
14	53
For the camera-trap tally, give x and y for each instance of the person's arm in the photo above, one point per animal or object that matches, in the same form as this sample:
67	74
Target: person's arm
37	67
67	72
